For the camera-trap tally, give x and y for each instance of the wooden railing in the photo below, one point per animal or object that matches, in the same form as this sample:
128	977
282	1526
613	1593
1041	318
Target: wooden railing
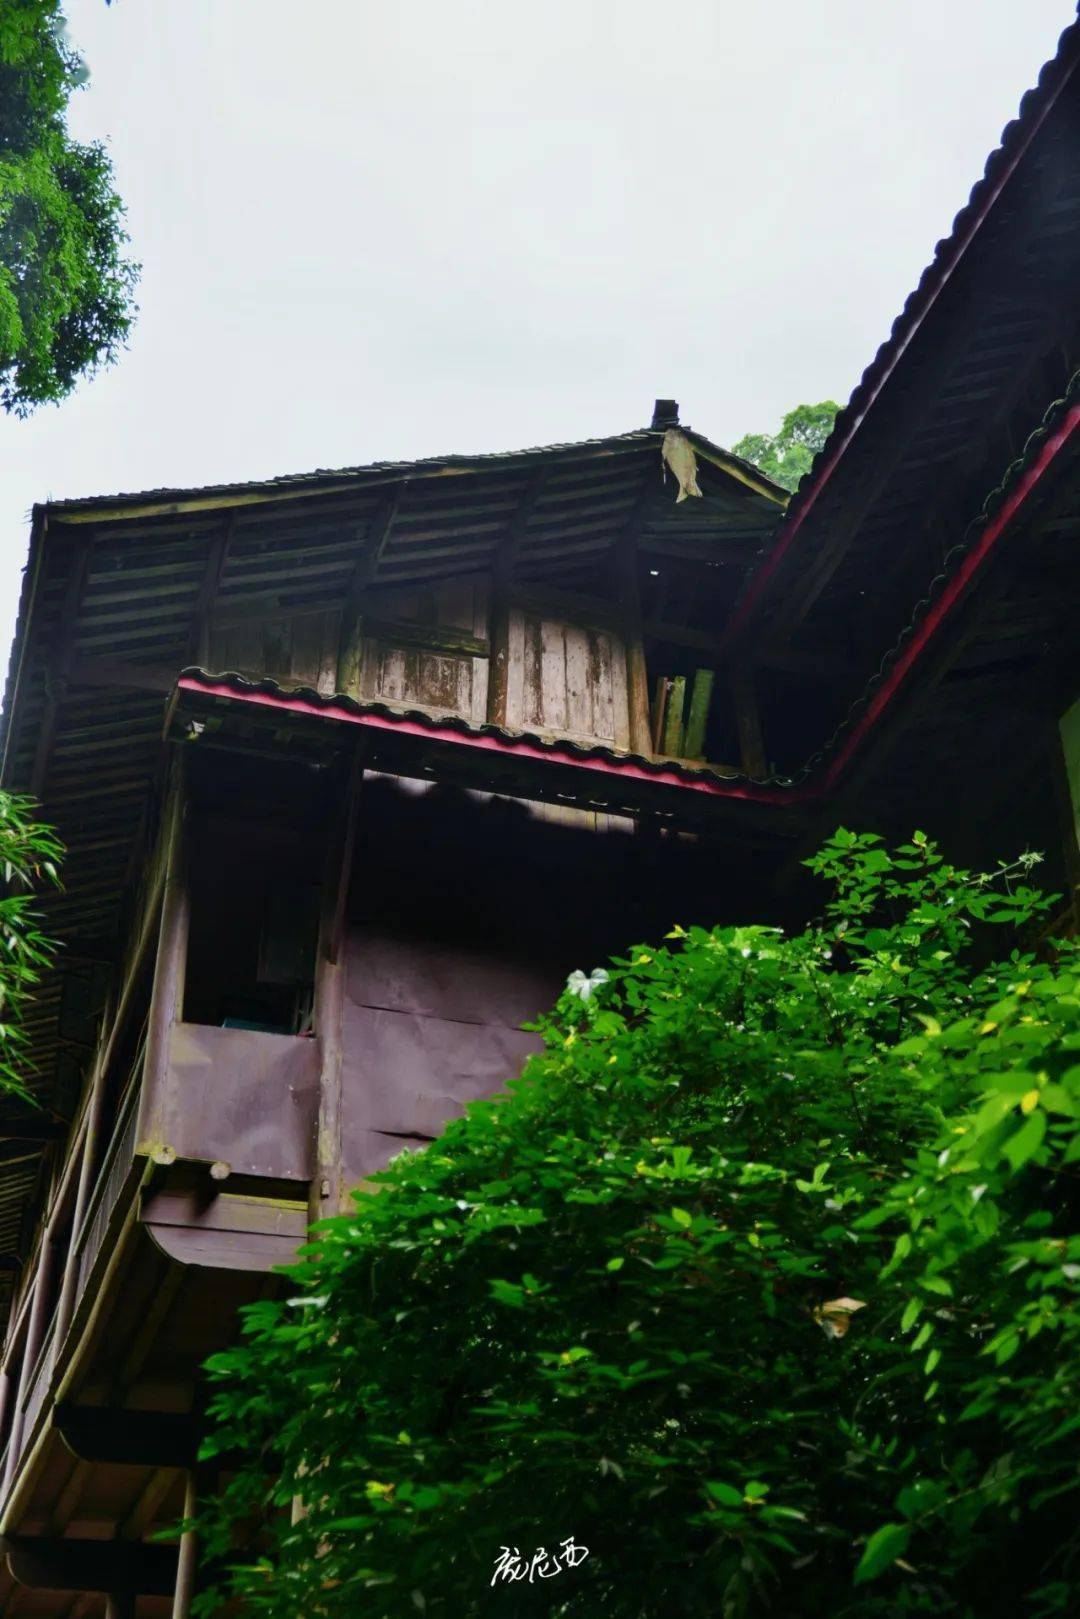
116	1168
114	1171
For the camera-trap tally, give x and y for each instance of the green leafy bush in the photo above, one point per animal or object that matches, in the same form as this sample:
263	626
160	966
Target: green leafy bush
759	1284
29	853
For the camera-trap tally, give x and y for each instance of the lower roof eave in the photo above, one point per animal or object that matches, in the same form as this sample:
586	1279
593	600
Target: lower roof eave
414	743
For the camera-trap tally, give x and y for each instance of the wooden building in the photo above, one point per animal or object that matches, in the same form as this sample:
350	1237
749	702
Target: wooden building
354	767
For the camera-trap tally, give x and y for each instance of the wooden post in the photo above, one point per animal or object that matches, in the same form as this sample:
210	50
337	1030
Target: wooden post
748	724
187	1561
5	1402
120	1605
167	995
35	1337
326	1181
95	1114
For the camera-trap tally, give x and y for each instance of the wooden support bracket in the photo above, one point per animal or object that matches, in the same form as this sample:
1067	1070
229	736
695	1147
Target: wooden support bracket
116	1568
111	1434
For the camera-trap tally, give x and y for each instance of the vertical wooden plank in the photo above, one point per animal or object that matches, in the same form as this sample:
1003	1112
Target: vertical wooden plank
277	648
620	706
390	680
438	680
673	722
515	668
532	709
580	692
477	710
497	626
552	675
603	702
306	650
748	724
330	635
697	722
367	666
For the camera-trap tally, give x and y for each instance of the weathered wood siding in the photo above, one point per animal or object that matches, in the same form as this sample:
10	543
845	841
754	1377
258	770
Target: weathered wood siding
298	651
400	669
567	679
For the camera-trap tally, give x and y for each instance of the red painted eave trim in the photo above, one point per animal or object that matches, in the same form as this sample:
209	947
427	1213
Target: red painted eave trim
624	769
747	609
953	591
628	769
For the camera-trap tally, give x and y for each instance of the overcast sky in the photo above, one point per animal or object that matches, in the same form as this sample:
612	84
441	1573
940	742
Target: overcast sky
376	230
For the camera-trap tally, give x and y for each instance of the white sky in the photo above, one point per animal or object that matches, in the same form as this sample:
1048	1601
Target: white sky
376	230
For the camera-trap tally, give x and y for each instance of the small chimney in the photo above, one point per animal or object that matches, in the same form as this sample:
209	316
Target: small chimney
665	414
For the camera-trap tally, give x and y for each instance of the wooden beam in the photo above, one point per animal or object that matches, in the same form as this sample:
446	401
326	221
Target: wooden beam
573	604
378	536
118	1568
434	637
139	1348
146	1505
113	1435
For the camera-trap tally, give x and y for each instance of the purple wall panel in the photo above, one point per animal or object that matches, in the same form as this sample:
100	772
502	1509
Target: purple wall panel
247	1098
428	1026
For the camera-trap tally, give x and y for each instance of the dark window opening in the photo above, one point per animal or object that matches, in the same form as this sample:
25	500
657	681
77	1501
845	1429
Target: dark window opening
254	865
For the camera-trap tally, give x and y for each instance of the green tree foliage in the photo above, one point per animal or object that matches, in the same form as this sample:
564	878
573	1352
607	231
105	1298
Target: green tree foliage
29	853
760	1284
786	456
65	286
